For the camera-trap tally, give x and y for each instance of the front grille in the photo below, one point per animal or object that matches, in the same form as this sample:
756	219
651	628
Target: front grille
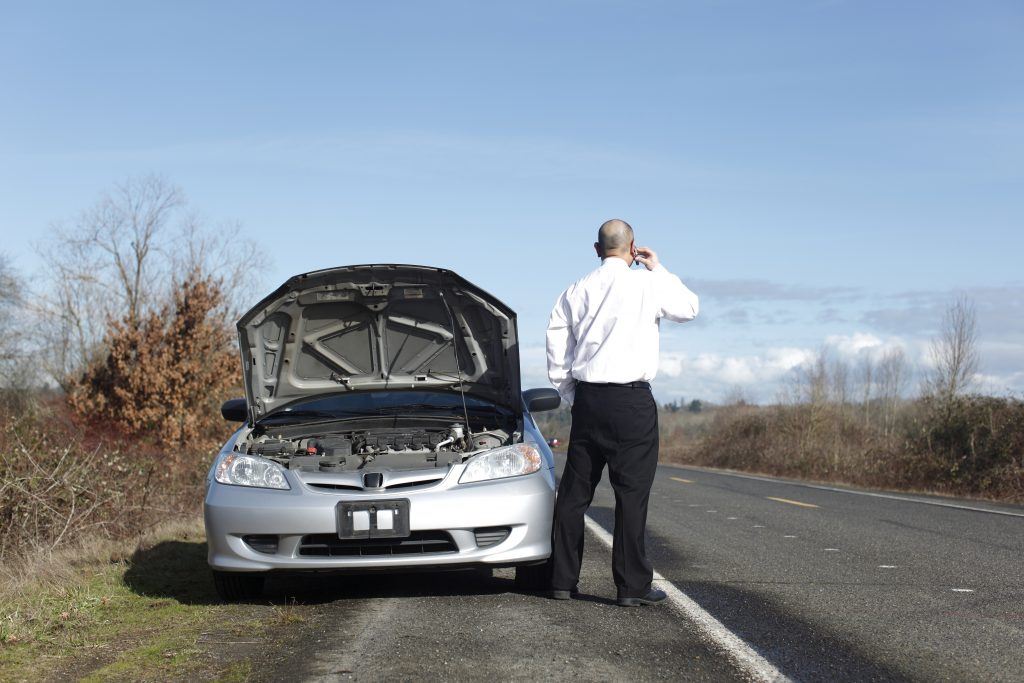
336	487
418	482
492	535
350	487
262	543
418	543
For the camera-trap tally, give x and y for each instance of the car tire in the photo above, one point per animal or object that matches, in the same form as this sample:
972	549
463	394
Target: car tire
533	577
237	586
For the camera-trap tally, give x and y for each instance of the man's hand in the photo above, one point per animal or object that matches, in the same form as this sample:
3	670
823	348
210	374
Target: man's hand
647	257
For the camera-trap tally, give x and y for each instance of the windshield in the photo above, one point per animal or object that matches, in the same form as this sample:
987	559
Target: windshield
380	403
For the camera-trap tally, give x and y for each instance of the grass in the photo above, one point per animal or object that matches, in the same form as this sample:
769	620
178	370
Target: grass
134	612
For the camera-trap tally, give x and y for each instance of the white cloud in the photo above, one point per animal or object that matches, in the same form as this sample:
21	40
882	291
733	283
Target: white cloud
713	375
854	344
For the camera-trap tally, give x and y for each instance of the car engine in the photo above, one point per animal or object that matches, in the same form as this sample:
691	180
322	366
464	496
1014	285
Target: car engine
392	448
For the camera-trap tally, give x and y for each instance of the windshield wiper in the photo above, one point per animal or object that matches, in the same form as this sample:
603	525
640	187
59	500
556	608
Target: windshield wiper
303	415
390	410
387	410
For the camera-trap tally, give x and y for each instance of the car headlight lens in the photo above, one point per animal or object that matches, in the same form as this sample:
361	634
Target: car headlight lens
244	470
508	461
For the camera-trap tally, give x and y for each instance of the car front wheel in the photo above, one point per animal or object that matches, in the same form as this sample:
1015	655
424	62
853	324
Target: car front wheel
237	586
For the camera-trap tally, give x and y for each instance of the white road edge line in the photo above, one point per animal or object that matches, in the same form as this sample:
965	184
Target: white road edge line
711	630
905	499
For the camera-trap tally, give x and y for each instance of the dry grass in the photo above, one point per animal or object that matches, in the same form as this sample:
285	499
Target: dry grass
30	585
130	610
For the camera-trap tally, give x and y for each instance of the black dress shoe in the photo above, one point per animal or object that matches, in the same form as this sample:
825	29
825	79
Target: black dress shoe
653	597
556	594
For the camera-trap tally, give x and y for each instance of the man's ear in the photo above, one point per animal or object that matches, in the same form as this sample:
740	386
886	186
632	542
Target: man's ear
597	248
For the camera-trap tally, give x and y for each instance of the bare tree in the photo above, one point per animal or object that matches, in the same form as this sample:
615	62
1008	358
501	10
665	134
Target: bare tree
12	367
866	381
892	381
124	233
225	252
124	258
814	379
107	266
954	352
839	380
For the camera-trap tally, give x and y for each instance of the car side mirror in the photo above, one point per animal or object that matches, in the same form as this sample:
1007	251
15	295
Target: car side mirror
234	410
538	400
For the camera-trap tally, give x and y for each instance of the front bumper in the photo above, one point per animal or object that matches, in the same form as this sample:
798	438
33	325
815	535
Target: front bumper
524	504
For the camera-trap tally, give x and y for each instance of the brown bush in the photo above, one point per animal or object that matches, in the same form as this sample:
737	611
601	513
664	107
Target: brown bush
167	374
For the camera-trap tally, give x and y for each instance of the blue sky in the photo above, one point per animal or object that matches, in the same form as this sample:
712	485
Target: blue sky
820	172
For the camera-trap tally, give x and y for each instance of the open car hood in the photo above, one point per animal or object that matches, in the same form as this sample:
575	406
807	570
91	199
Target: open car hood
373	327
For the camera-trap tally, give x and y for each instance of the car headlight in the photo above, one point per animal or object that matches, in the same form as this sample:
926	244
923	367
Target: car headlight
245	470
507	461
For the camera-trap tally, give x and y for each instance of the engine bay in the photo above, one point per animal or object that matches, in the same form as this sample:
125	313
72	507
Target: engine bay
391	447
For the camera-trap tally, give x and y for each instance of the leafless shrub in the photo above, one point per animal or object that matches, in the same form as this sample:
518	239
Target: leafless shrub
60	483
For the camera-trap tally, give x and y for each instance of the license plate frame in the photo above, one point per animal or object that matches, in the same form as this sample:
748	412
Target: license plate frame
351	521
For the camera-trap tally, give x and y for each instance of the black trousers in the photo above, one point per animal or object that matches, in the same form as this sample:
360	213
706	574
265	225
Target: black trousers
615	425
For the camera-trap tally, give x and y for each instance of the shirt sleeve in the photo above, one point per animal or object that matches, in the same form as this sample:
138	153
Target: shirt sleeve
561	349
675	301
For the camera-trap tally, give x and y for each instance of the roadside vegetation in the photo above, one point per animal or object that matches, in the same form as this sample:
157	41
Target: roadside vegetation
112	370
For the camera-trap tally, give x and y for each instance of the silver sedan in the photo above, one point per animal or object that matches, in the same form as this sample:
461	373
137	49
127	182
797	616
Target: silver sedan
384	429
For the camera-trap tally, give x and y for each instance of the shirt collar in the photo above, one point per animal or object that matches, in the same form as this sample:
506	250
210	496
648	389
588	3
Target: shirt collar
614	262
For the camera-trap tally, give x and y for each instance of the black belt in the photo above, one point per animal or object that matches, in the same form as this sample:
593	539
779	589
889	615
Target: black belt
631	385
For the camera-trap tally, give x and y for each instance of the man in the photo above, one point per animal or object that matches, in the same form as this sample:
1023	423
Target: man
602	347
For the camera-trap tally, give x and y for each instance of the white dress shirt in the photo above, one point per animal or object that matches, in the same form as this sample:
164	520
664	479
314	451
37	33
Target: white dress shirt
604	327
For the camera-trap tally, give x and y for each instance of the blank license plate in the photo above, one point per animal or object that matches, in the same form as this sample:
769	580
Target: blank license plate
374	519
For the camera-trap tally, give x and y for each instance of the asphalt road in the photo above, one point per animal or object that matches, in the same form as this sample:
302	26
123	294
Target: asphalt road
857	587
822	584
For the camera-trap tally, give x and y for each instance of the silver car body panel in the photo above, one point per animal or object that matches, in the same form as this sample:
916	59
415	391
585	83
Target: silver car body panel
523	503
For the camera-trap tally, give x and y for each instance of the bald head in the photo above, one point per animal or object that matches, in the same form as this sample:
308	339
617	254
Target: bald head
614	237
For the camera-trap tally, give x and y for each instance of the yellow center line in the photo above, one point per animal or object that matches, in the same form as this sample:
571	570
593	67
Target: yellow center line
791	502
685	481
